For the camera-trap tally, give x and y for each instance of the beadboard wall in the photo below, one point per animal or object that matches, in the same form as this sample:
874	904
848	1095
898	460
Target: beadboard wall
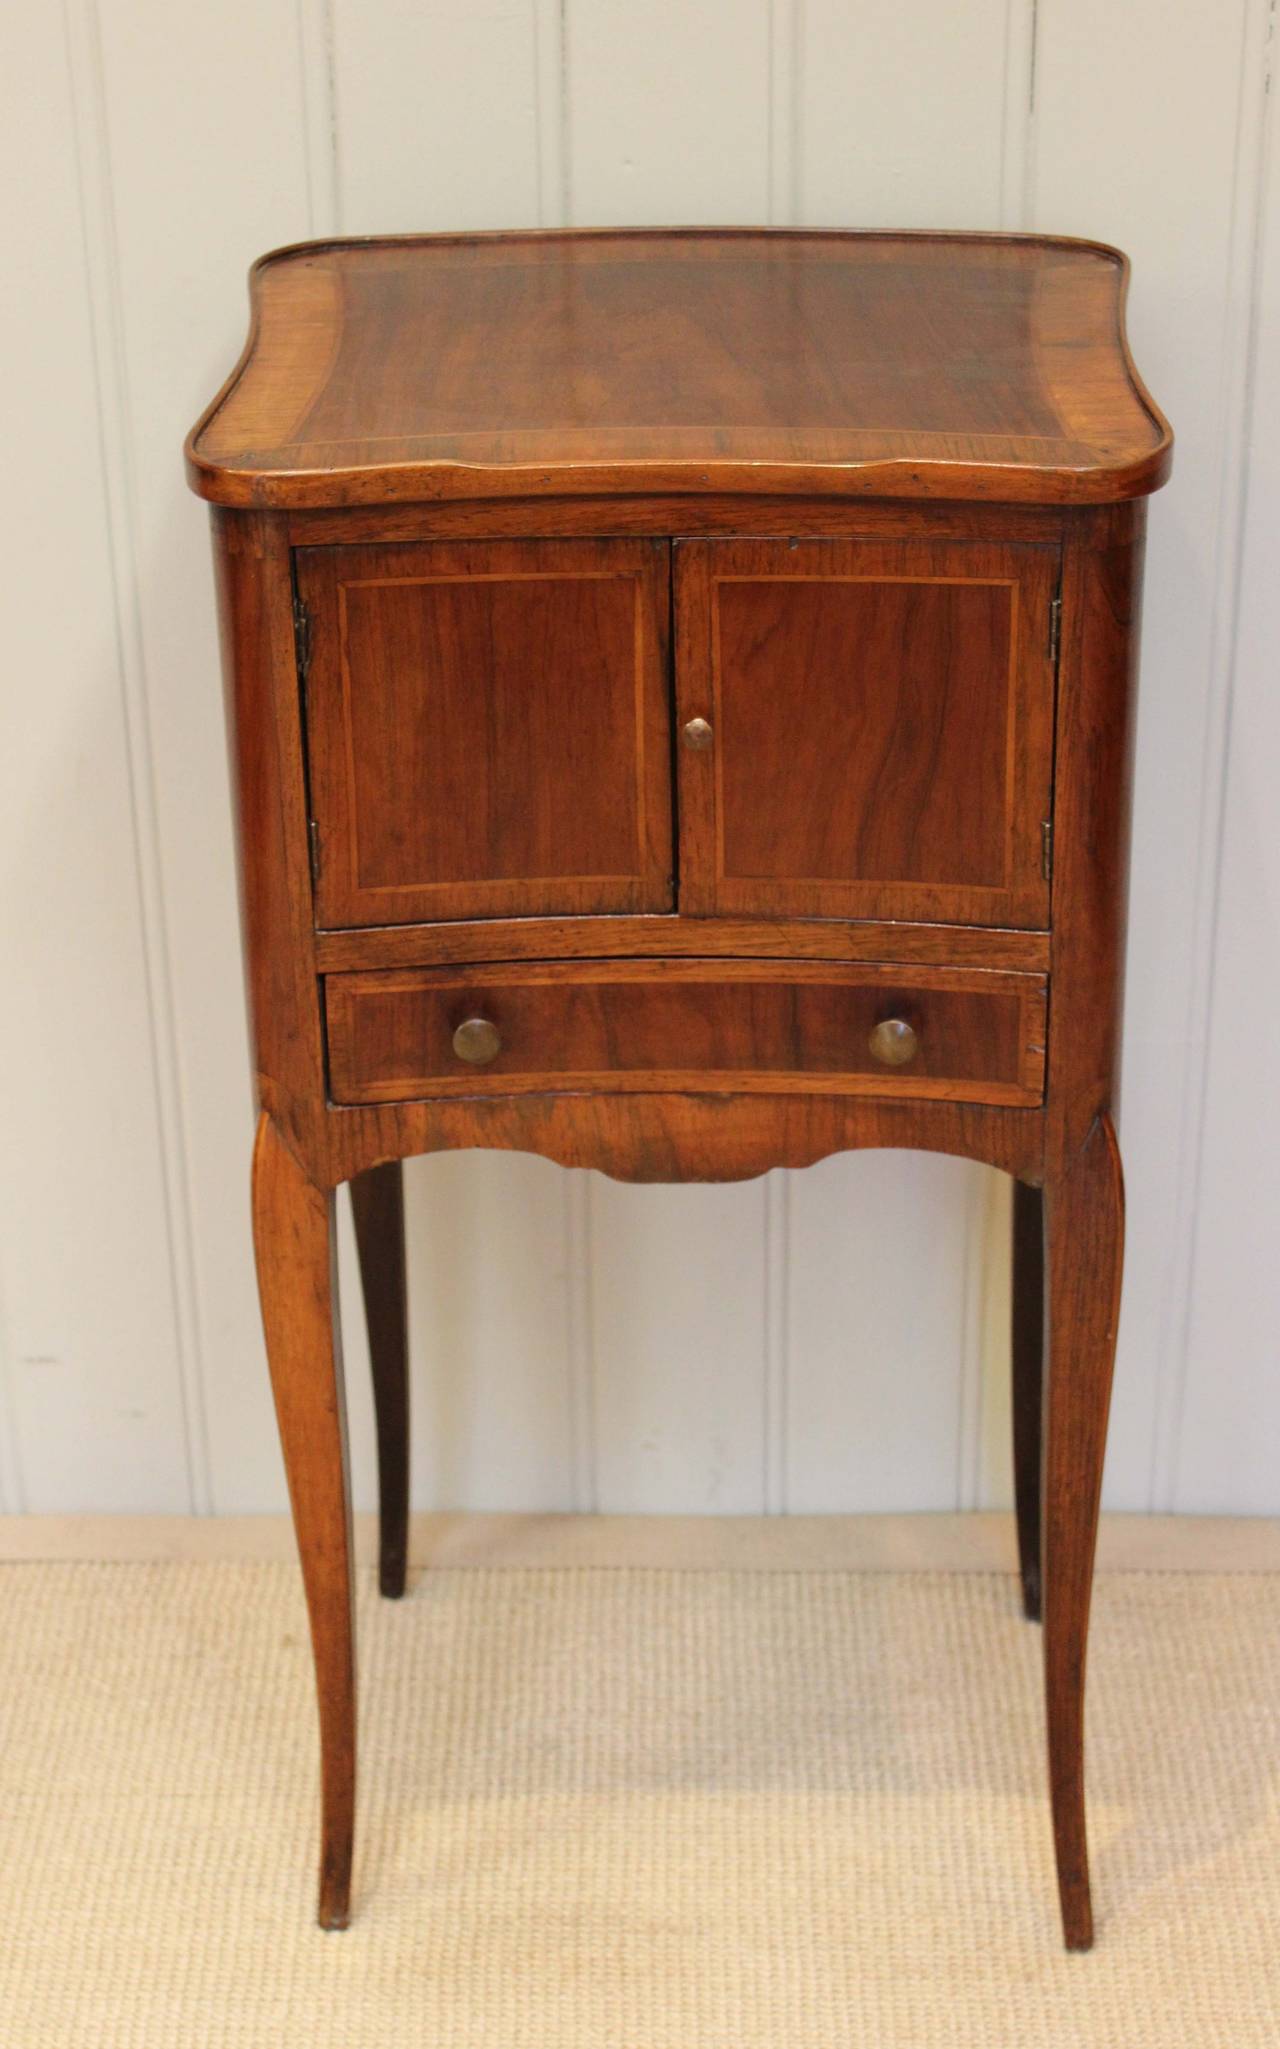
832	1340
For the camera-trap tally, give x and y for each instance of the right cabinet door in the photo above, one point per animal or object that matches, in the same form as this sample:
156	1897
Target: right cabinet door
881	728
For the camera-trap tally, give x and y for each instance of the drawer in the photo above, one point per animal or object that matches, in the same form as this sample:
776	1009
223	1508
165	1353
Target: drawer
960	1035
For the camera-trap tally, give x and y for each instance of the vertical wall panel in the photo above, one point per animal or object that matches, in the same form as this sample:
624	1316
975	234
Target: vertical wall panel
256	212
907	117
489	1332
994	1477
182	244
901	113
12	1491
784	125
668	111
878	1314
447	115
778	1343
679	1324
1116	89
93	1394
1230	1421
669	121
436	105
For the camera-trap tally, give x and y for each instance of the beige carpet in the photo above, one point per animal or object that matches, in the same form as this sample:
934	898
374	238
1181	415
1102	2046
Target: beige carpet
647	1808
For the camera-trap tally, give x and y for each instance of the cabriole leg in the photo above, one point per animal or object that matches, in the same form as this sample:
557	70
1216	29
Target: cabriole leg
1084	1204
293	1224
377	1204
1028	1383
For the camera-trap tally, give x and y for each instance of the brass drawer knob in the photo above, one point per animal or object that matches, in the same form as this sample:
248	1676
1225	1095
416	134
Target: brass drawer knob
477	1041
894	1042
698	734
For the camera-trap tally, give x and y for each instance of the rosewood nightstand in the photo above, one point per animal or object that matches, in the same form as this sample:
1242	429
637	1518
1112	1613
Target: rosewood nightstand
681	691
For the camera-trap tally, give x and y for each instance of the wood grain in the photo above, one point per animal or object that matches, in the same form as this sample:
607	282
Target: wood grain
511	939
260	680
952	366
668	513
488	728
748	1026
863	838
1084	1213
1101	599
681	1137
294	1242
377	1209
1027	1354
882	716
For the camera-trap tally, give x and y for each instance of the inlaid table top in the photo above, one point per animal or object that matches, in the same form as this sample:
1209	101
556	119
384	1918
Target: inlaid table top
904	365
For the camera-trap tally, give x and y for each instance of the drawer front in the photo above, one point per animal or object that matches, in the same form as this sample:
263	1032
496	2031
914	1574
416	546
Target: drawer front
488	729
968	1036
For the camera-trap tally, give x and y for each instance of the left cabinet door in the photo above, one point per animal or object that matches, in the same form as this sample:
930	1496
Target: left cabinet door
488	728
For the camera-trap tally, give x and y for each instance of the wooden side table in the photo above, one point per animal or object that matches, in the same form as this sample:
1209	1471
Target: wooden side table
681	687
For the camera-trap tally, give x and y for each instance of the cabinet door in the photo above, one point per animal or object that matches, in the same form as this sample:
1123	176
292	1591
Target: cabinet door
488	728
881	728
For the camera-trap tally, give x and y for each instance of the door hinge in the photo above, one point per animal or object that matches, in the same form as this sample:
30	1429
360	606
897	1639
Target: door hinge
1046	849
313	848
301	637
1055	627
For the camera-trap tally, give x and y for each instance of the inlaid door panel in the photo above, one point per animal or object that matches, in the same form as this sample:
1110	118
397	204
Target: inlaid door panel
488	728
881	728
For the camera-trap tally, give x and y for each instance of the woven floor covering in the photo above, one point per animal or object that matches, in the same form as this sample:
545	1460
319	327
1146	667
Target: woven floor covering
645	1808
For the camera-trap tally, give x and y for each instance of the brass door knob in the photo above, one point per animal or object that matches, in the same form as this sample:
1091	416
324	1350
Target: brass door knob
698	734
477	1041
894	1042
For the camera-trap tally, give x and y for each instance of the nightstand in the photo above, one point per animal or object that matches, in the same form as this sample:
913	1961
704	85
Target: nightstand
681	690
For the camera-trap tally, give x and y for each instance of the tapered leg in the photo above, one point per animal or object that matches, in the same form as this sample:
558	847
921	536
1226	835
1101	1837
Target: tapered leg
1028	1383
1085	1217
377	1204
294	1241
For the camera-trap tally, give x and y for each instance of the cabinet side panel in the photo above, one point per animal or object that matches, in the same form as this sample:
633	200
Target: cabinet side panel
252	563
1101	602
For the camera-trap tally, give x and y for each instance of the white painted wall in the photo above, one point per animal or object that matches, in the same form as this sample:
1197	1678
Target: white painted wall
831	1340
